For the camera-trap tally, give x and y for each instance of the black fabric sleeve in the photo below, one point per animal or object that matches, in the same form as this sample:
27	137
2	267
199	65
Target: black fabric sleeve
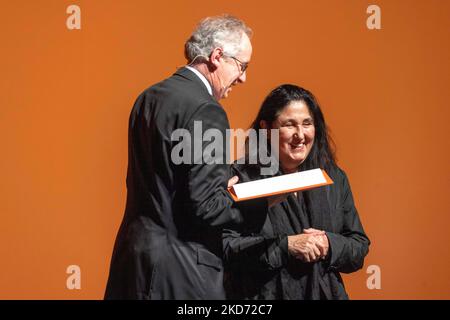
348	248
254	251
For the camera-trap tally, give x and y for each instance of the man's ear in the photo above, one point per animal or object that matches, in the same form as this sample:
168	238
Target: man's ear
215	57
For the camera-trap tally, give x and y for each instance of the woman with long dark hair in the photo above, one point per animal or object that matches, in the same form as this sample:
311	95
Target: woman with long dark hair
299	247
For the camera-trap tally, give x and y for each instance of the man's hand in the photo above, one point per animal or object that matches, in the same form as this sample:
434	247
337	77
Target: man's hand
233	181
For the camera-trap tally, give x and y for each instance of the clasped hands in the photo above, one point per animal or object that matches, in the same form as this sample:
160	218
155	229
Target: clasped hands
310	246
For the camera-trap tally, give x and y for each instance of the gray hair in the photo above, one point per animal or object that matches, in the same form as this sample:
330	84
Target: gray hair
223	31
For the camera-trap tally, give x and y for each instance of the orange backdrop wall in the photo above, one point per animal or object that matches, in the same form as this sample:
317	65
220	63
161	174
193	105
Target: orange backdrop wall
66	96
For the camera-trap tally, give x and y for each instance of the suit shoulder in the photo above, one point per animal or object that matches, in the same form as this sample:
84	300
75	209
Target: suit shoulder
180	93
337	174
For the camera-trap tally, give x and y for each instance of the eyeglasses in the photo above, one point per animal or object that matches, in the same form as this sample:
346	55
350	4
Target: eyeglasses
243	65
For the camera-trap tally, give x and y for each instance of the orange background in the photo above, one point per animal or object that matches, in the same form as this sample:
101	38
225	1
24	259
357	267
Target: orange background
66	96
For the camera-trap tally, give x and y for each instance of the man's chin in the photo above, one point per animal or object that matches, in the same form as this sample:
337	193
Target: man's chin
226	93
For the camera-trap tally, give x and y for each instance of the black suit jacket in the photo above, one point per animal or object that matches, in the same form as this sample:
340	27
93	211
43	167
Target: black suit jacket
169	243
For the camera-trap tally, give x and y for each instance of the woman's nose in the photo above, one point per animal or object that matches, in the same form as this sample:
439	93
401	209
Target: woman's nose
299	134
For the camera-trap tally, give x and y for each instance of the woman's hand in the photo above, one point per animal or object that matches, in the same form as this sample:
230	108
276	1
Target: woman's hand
310	246
323	243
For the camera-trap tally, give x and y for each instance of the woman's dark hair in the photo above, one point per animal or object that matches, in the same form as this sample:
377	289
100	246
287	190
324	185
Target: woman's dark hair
322	154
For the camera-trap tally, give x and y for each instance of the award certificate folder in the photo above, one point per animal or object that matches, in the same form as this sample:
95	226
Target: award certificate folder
287	183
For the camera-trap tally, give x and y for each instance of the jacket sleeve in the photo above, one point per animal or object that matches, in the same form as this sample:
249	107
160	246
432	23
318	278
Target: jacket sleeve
208	174
349	247
254	251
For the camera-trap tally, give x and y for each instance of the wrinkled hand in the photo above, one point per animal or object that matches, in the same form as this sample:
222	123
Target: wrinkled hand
309	246
324	244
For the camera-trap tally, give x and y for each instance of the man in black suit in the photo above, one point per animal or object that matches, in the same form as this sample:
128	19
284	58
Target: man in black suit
169	244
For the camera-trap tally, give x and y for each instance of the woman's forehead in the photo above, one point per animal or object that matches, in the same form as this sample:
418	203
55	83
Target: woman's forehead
295	110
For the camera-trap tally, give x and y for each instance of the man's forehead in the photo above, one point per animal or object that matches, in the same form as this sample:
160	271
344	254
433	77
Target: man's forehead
246	49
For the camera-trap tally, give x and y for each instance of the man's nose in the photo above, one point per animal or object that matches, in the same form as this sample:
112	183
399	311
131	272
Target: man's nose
242	77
